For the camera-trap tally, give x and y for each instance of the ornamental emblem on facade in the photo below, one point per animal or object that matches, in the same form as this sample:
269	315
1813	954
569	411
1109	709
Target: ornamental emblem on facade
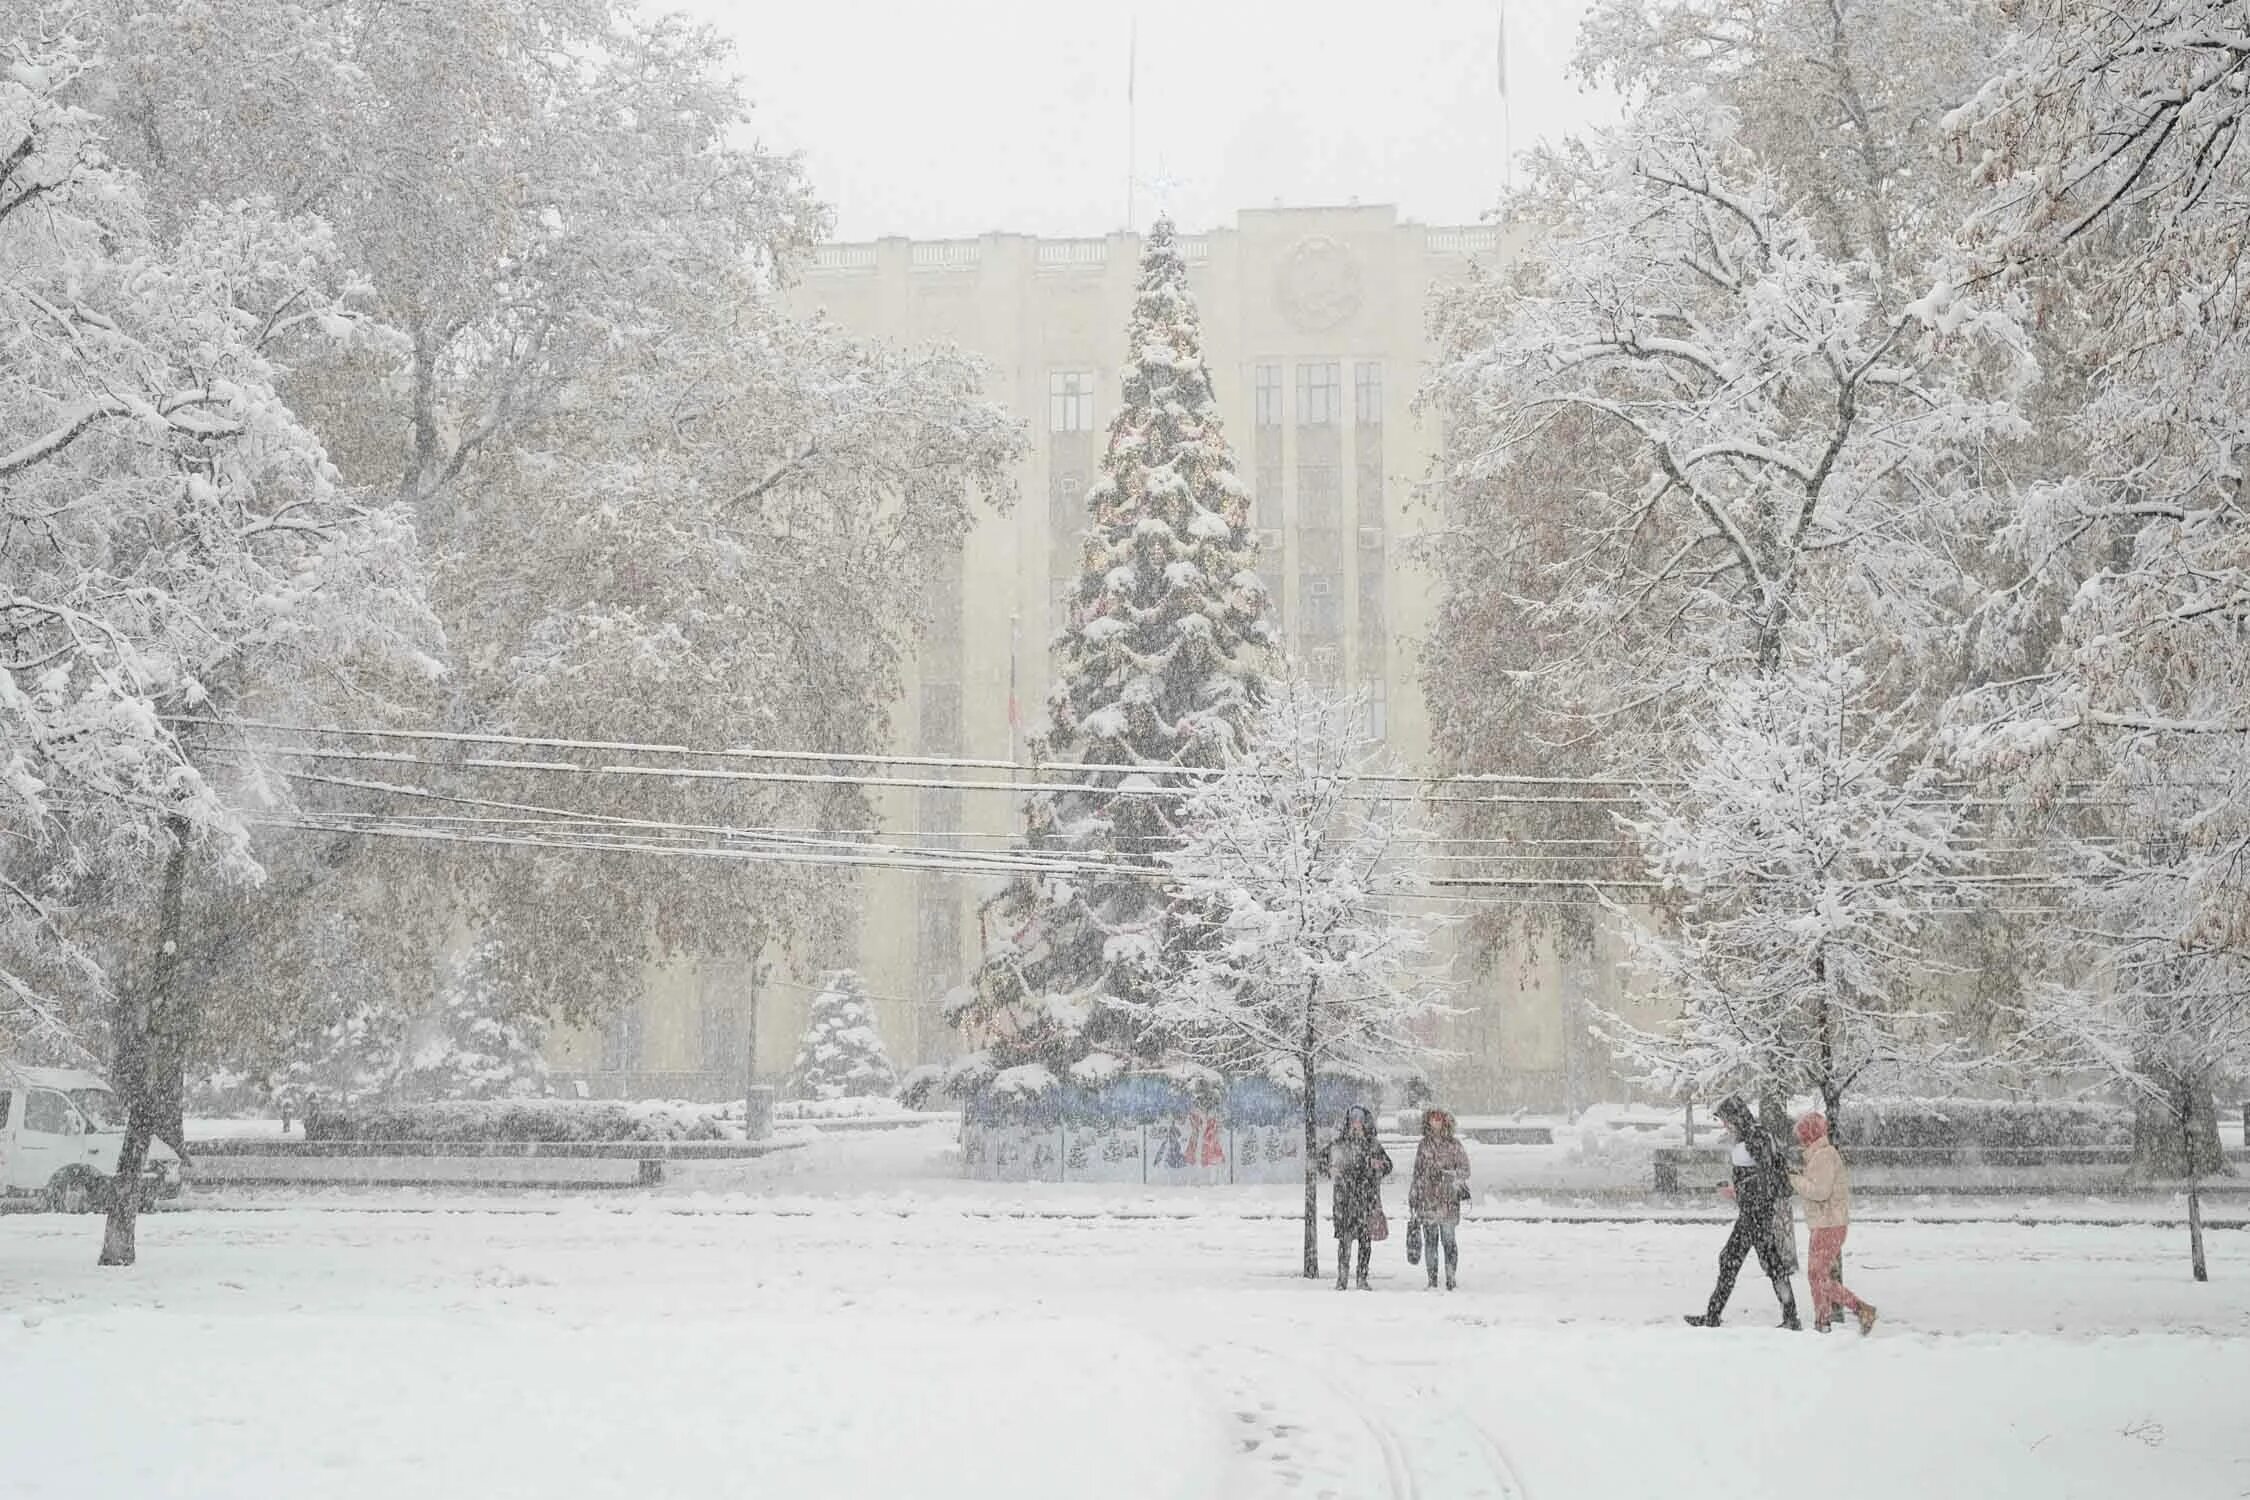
1319	285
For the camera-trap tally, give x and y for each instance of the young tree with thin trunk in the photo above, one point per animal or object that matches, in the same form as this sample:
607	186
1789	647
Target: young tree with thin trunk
1294	880
1800	858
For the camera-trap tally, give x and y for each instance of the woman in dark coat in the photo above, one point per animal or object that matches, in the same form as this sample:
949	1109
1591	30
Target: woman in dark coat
1760	1181
1358	1163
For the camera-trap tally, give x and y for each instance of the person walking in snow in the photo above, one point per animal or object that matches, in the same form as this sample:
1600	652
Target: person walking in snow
1759	1181
1435	1195
1358	1164
1826	1187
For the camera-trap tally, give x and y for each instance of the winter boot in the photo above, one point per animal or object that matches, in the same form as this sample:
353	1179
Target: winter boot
1788	1297
1433	1273
1866	1319
1449	1278
1701	1320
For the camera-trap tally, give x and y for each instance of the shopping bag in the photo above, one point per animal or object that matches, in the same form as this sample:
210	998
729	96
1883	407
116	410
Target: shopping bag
1413	1242
1378	1227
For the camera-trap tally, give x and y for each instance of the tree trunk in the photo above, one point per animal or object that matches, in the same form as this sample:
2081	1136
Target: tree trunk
149	1055
1312	1161
2185	1108
2176	1135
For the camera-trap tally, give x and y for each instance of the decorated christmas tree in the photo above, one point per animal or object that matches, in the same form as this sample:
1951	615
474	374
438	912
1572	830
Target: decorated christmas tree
1158	668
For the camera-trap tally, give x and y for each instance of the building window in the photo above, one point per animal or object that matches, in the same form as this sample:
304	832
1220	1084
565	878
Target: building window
1374	630
1066	500
621	1040
1377	693
1320	497
1325	666
1265	386
1367	393
724	1040
1070	401
1323	605
1320	395
1268	485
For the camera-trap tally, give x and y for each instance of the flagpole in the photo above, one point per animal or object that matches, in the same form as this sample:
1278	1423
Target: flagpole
1507	114
1132	119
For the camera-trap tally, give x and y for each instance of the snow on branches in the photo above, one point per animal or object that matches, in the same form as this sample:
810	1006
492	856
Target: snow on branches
1291	879
1159	665
2110	142
1800	857
841	1055
1768	444
177	538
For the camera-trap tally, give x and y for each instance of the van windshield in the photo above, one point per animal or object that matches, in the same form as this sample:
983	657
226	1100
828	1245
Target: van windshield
101	1107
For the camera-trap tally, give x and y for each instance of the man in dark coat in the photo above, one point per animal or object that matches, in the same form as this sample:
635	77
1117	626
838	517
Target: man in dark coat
1760	1179
1358	1163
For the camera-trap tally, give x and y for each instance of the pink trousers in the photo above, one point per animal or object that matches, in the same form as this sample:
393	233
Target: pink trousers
1821	1263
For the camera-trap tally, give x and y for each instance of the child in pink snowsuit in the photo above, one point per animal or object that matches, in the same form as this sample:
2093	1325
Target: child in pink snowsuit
1826	1187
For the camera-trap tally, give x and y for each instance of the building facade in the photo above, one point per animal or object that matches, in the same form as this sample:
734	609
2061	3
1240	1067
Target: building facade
1315	330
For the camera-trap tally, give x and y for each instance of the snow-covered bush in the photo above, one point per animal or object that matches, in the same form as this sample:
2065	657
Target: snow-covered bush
1955	1124
923	1087
841	1056
545	1120
474	1044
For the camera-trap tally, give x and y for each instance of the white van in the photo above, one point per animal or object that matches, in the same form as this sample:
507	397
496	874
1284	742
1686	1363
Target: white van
61	1131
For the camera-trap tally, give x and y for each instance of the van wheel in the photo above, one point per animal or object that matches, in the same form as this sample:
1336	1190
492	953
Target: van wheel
72	1192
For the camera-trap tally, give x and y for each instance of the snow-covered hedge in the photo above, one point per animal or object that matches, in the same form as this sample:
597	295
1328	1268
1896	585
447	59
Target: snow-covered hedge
1956	1124
543	1120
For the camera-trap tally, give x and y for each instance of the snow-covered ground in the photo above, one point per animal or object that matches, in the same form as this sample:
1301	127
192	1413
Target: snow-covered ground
846	1321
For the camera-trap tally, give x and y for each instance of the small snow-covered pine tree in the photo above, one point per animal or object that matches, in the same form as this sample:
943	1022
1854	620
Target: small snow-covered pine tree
475	1044
841	1056
1159	666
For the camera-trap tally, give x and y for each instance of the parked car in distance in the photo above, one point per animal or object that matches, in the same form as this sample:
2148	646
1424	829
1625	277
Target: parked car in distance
61	1131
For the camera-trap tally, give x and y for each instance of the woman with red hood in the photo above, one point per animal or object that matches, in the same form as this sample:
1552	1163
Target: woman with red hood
1826	1187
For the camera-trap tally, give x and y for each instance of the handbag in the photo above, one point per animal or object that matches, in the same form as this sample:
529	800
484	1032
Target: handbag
1378	1227
1413	1242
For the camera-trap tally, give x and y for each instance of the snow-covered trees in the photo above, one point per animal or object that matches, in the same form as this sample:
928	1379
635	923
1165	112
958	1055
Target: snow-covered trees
1157	671
663	499
1799	860
1771	444
841	1055
1293	881
477	1040
2110	138
178	543
1761	467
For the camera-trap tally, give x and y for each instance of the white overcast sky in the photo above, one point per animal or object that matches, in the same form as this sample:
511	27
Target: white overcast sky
954	117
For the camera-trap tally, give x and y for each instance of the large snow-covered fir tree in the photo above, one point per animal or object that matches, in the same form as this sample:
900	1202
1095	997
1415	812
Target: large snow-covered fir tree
1294	865
1157	669
841	1056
